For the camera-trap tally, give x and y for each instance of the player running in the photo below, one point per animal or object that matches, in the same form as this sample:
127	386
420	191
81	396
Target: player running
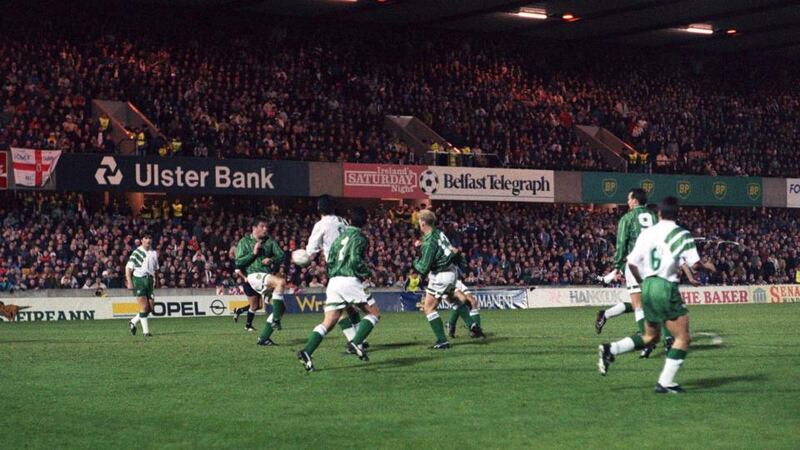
140	276
259	256
438	261
324	233
630	226
660	252
347	269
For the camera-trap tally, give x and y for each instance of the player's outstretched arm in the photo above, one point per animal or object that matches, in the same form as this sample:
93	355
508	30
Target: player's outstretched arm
315	241
689	275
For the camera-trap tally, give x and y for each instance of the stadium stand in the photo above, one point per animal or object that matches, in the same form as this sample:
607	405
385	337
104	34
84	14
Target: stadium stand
301	91
66	241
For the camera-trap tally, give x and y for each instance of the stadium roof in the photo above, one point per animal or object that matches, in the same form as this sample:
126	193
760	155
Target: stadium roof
769	27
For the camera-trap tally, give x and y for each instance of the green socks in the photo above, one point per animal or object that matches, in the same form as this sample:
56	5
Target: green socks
475	314
277	312
315	338
463	312
675	353
365	328
278	308
453	319
267	331
437	326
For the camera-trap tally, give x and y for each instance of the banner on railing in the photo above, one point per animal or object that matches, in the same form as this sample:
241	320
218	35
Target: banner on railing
702	295
382	181
607	187
33	309
448	183
82	172
793	192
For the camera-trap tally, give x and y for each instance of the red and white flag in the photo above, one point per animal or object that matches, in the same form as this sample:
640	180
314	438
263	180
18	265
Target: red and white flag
33	167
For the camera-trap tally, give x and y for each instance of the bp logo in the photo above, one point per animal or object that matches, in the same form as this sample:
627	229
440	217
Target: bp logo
753	191
609	187
648	185
428	182
683	189
759	295
720	190
108	173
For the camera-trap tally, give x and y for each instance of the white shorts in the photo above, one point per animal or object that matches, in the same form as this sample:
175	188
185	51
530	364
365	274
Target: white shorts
630	282
260	281
442	284
343	291
463	288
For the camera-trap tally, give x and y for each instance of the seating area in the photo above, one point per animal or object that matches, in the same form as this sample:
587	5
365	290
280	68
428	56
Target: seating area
251	88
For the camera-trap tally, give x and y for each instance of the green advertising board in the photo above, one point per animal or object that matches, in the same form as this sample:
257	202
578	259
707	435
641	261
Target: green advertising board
609	187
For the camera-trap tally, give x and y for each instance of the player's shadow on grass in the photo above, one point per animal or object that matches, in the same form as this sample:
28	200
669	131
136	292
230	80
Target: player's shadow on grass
490	339
711	383
390	363
393	345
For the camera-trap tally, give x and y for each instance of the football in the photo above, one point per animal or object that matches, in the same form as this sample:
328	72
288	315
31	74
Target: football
428	182
300	257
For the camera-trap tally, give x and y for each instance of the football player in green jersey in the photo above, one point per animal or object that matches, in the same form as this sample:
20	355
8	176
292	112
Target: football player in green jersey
259	256
657	257
347	269
630	226
438	260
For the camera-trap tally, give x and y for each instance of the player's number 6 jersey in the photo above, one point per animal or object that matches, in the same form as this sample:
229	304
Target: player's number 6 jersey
661	249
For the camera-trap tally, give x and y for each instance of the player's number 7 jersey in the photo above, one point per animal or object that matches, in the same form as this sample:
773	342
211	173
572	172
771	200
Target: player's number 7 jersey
346	257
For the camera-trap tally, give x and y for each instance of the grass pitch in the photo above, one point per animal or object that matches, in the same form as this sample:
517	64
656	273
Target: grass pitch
203	383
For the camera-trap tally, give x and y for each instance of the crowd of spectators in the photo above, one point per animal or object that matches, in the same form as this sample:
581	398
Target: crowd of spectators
72	241
252	88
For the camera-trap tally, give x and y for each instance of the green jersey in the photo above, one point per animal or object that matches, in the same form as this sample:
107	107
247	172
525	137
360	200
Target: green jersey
628	230
437	253
347	257
249	262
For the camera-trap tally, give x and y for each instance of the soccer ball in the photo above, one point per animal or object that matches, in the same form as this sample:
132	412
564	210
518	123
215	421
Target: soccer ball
300	257
428	182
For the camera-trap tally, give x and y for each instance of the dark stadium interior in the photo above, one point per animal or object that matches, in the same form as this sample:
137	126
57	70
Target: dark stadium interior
259	84
399	224
303	88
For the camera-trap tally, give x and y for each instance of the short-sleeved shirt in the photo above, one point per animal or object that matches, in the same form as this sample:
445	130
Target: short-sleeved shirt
661	249
143	262
323	234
